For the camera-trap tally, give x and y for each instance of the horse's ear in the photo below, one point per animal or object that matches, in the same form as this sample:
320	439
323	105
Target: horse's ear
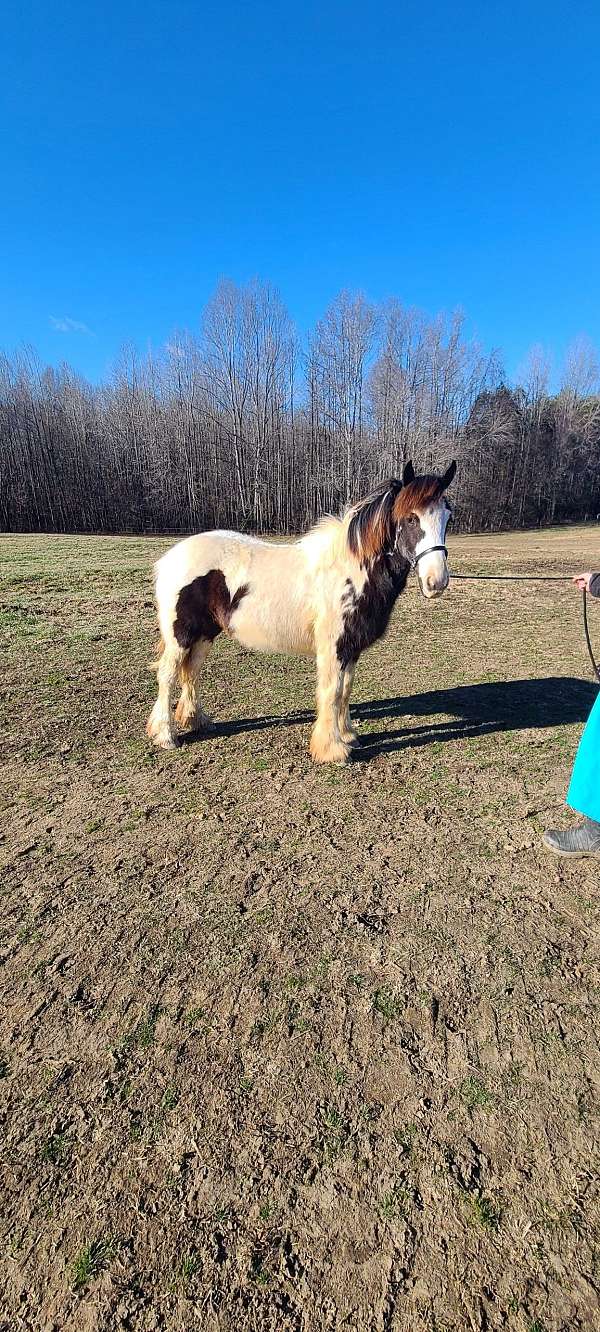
448	476
408	474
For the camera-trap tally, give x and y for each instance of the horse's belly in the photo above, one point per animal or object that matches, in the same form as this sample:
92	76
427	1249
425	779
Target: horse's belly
271	629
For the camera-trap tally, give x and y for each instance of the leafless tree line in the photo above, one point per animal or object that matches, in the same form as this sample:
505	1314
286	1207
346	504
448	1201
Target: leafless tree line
241	427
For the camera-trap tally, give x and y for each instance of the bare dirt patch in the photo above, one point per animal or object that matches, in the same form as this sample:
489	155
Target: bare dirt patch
286	1047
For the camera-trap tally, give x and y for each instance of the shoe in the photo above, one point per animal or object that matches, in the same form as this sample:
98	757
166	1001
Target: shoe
581	841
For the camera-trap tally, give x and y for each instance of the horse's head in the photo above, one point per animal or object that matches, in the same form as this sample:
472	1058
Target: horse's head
421	514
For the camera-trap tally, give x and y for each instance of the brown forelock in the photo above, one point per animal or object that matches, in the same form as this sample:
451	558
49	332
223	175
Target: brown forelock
370	526
417	496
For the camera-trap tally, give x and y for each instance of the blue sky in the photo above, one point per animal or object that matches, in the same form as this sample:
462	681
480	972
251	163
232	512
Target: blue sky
443	153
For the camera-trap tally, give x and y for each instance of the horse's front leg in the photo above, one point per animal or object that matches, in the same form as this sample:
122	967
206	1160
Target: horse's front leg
326	743
347	730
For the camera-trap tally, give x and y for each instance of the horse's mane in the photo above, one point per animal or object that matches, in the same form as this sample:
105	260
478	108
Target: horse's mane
367	528
372	521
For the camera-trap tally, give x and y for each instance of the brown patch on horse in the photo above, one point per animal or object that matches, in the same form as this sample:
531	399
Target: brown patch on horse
417	496
365	617
204	608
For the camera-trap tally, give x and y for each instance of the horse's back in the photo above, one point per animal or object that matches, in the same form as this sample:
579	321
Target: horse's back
195	556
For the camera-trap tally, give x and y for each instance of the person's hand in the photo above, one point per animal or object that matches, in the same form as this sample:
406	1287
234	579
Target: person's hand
582	581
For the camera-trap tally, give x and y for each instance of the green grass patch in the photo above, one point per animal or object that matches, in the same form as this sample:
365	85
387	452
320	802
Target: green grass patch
475	1095
387	1003
92	1259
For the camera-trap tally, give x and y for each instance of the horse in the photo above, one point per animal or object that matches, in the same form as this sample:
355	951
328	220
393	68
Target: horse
329	594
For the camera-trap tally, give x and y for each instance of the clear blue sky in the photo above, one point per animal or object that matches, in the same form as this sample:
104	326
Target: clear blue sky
444	153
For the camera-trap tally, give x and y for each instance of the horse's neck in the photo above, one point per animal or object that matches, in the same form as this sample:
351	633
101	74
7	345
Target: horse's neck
387	574
393	573
382	582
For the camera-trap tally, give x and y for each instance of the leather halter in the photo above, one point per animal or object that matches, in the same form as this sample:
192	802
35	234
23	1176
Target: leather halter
430	550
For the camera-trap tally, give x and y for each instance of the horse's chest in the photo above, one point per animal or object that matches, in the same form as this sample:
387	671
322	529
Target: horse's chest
365	616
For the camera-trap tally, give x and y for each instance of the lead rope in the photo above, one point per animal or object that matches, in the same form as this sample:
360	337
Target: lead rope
587	636
537	578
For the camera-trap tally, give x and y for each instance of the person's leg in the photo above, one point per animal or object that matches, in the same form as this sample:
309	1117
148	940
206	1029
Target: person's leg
583	796
584	790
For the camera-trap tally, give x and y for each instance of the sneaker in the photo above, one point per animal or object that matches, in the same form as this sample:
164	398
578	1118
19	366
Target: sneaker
581	841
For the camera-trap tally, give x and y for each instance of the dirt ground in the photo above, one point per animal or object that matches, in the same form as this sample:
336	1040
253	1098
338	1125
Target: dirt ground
287	1048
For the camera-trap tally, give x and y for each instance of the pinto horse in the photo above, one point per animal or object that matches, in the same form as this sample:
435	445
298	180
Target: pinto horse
328	595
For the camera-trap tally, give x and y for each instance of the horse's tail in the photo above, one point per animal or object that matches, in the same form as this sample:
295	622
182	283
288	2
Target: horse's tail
154	665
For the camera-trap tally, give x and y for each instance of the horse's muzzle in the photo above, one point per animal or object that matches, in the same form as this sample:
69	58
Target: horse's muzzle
432	587
432	568
433	580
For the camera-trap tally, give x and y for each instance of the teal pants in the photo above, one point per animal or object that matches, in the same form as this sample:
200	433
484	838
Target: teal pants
584	792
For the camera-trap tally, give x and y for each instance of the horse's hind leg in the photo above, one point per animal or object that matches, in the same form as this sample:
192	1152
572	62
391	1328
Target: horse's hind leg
189	713
347	730
160	722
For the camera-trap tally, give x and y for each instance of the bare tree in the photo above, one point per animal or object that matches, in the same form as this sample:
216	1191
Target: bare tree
235	428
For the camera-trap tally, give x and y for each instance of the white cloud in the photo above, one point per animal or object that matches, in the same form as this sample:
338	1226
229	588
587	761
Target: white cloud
66	325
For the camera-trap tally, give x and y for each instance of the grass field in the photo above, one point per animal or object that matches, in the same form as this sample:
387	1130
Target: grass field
286	1047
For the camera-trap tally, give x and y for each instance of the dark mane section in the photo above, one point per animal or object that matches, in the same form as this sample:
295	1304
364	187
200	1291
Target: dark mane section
371	527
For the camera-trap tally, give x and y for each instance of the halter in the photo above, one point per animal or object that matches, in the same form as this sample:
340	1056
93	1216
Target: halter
430	550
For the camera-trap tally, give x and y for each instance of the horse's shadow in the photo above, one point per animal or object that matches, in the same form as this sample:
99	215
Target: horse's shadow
479	709
467	710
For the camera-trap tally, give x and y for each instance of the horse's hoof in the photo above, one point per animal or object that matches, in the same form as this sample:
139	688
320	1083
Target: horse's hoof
336	751
195	725
165	742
